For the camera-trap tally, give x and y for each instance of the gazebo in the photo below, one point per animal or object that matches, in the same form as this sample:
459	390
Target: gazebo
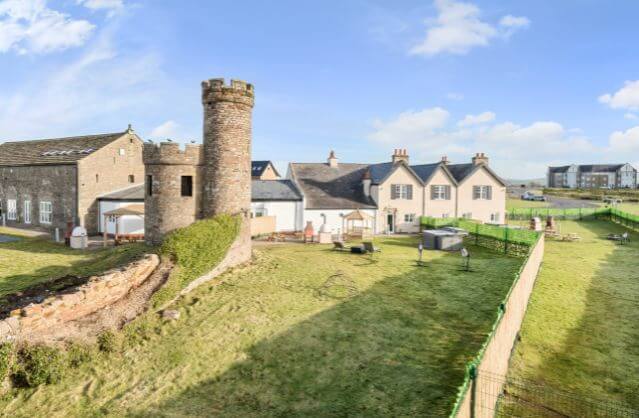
116	214
358	224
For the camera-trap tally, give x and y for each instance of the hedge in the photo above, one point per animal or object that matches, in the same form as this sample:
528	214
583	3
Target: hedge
195	250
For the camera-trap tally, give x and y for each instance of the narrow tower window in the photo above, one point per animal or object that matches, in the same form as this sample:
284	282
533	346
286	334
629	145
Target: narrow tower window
187	185
149	185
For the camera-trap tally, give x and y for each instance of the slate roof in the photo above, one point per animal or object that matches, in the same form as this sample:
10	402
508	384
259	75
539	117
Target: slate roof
424	171
460	171
261	190
600	168
561	169
53	151
274	190
258	167
328	187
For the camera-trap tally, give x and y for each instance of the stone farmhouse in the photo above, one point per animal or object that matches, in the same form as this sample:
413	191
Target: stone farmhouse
593	176
394	195
51	182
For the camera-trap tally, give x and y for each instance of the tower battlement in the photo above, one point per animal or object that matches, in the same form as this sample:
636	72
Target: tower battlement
170	153
238	91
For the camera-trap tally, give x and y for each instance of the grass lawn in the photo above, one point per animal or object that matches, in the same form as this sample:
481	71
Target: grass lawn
31	261
581	331
629	207
304	331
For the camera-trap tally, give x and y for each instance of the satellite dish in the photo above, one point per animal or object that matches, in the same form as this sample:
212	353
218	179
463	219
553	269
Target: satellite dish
464	252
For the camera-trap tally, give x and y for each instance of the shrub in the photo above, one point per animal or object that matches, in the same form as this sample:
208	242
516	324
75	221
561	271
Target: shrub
109	341
6	360
39	365
195	250
78	354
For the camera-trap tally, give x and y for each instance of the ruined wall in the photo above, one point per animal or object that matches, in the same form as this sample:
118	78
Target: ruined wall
99	292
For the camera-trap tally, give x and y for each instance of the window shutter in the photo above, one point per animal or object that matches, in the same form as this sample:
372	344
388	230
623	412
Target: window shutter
409	192
476	192
432	192
489	192
447	192
393	192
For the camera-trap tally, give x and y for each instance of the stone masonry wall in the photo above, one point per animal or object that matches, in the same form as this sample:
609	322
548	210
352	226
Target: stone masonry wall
166	209
98	293
51	183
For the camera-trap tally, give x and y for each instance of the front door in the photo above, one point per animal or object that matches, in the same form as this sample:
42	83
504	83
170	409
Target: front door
390	223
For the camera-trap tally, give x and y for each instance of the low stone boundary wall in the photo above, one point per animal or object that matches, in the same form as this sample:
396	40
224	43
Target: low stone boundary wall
479	396
98	293
262	225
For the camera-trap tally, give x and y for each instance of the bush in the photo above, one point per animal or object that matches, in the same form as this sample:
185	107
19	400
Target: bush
109	341
78	354
39	365
6	360
195	250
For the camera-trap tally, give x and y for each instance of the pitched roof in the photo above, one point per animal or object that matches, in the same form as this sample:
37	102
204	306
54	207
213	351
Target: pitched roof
600	168
271	190
261	190
560	169
326	187
461	171
425	171
53	151
258	168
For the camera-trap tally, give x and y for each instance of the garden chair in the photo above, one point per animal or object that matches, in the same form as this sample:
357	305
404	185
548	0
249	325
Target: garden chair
339	246
369	247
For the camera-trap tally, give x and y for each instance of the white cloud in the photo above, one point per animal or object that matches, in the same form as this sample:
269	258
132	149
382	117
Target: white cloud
29	26
410	126
624	142
455	96
86	95
630	116
167	130
458	28
470	120
111	6
625	98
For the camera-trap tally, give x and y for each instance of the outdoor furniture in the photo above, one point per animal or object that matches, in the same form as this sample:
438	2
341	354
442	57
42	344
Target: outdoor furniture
623	238
442	239
130	238
571	237
115	216
368	246
339	246
364	228
358	250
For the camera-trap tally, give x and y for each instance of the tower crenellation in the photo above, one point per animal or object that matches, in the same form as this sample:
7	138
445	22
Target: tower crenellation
172	153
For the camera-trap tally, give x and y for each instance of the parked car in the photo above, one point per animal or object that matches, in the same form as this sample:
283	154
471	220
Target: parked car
611	200
533	197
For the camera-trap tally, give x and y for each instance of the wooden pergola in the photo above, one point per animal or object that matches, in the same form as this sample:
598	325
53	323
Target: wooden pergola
115	215
358	217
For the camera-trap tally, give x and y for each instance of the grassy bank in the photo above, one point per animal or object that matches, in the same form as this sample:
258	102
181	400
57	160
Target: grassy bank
31	261
304	331
580	334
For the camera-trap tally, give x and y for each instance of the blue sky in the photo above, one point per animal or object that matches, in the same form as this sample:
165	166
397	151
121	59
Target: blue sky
530	83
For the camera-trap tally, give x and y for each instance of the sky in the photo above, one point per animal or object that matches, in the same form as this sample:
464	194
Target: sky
529	83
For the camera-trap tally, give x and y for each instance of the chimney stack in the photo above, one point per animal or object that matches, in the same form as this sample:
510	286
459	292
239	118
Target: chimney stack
332	159
400	155
366	183
445	160
480	158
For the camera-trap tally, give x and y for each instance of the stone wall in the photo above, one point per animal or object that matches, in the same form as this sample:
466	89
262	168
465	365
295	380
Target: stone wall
165	208
98	293
51	183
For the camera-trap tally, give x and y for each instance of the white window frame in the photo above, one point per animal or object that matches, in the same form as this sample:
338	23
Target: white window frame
26	210
467	215
12	210
401	191
494	217
483	193
122	151
46	212
439	192
409	218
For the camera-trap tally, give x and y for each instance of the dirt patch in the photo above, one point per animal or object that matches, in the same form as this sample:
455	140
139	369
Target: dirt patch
38	293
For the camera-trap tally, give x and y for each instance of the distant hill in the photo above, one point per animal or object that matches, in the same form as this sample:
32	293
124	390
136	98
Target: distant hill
528	182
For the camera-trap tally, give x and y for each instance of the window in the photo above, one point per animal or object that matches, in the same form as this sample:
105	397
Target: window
97	178
482	192
467	215
12	210
46	210
440	192
445	215
122	151
27	211
131	178
494	217
187	185
258	212
149	185
402	191
409	218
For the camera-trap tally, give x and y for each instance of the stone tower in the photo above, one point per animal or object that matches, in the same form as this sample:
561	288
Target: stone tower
227	152
168	172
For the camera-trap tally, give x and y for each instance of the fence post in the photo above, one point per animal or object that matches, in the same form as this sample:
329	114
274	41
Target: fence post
472	372
580	218
505	240
476	234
